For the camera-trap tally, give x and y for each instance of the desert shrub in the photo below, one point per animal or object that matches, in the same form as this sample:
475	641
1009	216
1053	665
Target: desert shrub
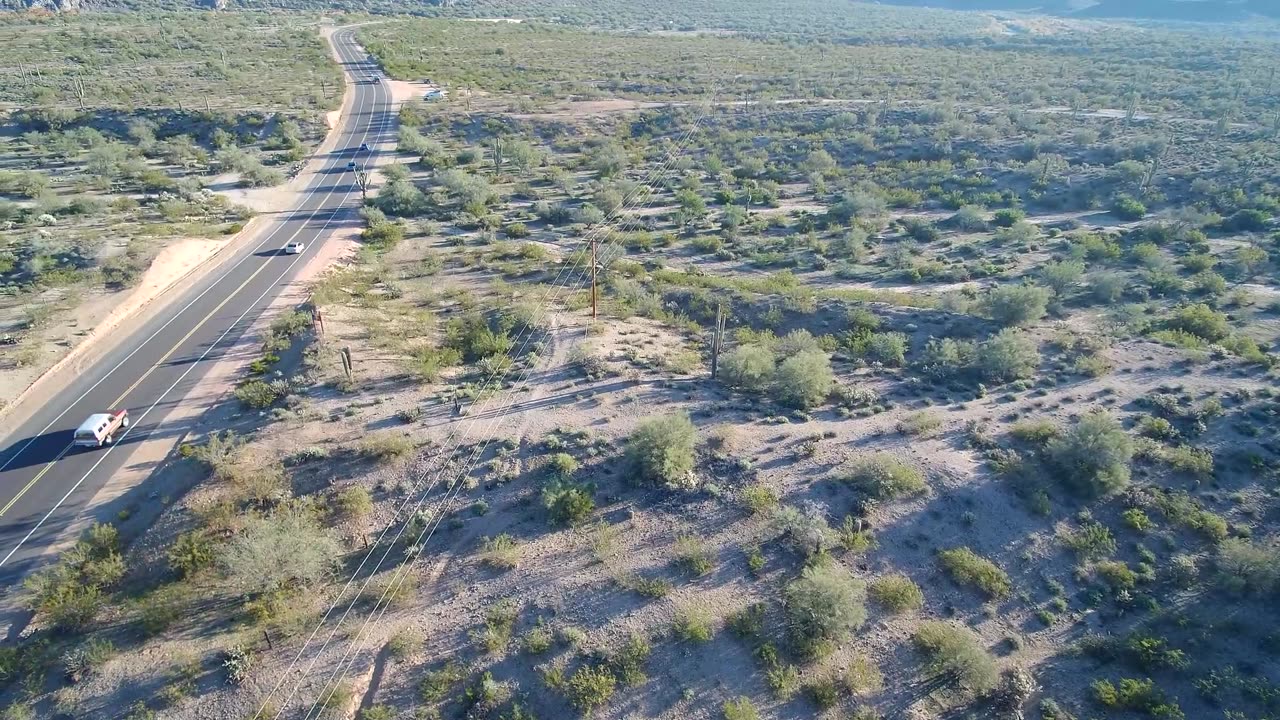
567	503
1092	541
863	677
823	606
1138	696
748	368
1249	568
539	638
1037	432
1062	276
806	528
501	552
287	549
628	662
1092	457
897	593
404	643
1126	207
694	624
386	446
885	476
740	708
1107	287
1007	217
803	380
353	502
759	499
1013	305
562	465
947	357
922	423
969	568
1008	355
437	684
661	450
956	654
1116	574
590	687
887	348
70	593
1200	320
190	553
257	394
693	555
499	623
1187	459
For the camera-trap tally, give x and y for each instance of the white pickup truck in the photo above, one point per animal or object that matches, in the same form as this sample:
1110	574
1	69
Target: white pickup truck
100	428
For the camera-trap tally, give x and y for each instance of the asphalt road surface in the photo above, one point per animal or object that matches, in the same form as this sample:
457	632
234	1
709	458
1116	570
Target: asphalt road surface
45	482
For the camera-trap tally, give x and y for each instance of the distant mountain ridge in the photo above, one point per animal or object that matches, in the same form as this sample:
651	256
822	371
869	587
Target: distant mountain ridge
1175	10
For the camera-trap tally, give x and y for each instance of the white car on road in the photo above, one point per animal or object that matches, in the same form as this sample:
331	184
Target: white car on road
294	248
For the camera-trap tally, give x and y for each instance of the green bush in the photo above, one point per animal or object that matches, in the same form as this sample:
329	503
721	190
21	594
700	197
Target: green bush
437	684
968	568
258	394
353	502
1127	208
1092	541
759	499
748	368
1249	568
956	654
501	552
885	476
567	503
1008	355
919	424
803	380
1012	305
823	606
1138	696
628	663
285	550
897	593
70	593
693	555
191	552
590	687
387	446
740	708
661	451
694	624
1092	457
1200	320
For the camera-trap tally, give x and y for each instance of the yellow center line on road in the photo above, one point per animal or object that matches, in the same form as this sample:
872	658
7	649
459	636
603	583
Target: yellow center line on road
34	480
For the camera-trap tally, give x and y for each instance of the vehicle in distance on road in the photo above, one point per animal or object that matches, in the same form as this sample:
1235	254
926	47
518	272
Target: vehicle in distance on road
100	428
351	165
364	147
295	248
373	80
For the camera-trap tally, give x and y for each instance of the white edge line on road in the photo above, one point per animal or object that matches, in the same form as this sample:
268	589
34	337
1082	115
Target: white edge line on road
192	366
252	253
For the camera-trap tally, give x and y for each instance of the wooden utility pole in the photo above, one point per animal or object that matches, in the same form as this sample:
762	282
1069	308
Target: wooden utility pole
593	278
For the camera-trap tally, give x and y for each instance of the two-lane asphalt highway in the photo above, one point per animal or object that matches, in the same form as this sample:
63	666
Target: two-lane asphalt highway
45	482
